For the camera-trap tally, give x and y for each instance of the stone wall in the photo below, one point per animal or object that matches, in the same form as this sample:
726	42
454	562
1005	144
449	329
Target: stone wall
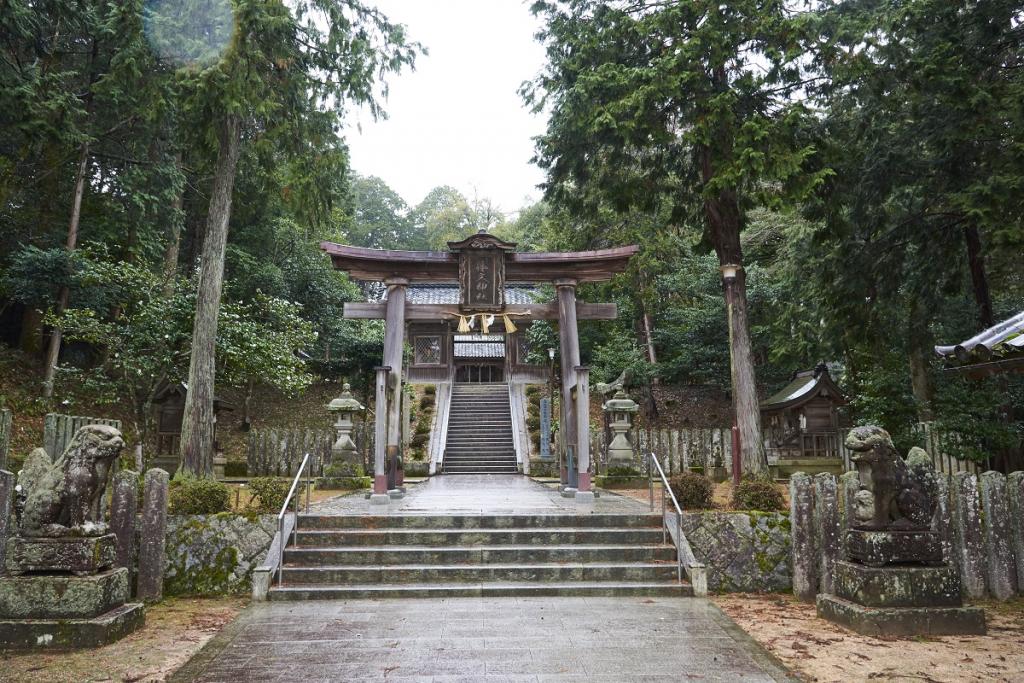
208	554
743	551
978	519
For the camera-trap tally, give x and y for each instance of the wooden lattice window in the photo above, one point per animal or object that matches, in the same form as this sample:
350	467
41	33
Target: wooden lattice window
427	350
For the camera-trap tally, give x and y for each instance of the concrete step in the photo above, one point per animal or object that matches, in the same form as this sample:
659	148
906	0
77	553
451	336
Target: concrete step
495	554
430	573
456	522
495	589
327	538
455	469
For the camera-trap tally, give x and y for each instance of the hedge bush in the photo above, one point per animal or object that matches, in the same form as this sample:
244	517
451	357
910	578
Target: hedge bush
419	440
236	468
757	494
623	471
193	496
692	490
344	469
267	494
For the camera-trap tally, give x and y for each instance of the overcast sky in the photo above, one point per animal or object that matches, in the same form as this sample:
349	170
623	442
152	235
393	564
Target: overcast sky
458	119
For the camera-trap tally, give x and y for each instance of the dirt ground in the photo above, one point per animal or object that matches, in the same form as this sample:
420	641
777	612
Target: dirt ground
175	630
817	650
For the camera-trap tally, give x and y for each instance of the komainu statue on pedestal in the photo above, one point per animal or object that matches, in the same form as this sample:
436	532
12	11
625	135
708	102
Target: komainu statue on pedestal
63	497
895	494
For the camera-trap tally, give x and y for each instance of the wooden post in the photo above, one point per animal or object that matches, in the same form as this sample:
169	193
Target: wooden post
394	342
568	335
583	426
380	422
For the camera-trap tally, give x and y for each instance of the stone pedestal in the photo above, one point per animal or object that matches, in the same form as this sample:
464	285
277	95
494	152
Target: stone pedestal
65	611
75	555
880	548
899	601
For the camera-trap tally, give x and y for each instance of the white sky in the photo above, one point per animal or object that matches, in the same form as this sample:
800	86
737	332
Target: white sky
458	119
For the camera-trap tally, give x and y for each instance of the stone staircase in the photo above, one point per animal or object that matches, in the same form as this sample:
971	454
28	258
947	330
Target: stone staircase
348	557
480	431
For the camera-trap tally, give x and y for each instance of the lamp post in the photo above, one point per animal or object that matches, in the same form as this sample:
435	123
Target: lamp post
729	273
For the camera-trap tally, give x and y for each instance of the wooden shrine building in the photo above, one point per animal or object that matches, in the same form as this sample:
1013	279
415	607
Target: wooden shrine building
463	313
802	420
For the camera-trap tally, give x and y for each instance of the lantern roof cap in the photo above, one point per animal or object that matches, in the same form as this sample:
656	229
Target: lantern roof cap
346	402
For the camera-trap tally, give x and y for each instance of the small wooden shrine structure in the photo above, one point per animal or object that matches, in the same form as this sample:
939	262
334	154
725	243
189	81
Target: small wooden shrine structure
483	269
169	411
802	419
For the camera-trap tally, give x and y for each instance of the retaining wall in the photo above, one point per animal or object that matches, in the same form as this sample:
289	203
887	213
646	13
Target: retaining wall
215	554
743	551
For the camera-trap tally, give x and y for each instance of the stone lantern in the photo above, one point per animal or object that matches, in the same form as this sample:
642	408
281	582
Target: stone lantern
620	409
345	407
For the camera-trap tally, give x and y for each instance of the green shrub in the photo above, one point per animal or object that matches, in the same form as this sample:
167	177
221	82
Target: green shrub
626	471
426	401
533	390
533	422
344	469
692	490
236	468
422	427
419	440
430	390
267	493
757	494
193	496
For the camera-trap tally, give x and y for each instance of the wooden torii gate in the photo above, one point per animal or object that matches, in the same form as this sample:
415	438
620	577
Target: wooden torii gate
482	264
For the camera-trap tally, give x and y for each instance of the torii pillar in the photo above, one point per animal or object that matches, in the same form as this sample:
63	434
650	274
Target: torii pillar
394	342
575	422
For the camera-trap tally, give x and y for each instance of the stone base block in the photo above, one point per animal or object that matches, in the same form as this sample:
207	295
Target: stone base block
902	621
897	586
74	554
881	548
68	634
379	499
584	497
41	596
568	492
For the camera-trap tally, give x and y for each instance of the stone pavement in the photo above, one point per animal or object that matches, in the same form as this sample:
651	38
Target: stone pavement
489	640
480	494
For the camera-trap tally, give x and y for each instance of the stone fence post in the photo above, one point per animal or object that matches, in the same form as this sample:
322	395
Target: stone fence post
968	545
124	504
828	528
153	536
1002	569
1015	497
6	505
805	546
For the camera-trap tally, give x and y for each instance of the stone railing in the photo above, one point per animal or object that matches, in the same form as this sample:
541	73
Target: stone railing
677	449
979	519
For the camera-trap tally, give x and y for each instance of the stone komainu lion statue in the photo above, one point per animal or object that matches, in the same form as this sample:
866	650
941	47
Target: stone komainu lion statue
63	497
894	493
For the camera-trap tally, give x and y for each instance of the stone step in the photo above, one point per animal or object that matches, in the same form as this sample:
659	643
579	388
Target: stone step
428	573
495	589
476	537
497	554
474	469
456	522
485	462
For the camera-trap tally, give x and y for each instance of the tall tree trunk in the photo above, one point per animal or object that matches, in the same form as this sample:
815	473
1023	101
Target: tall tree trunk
53	350
173	235
197	429
919	350
724	223
979	280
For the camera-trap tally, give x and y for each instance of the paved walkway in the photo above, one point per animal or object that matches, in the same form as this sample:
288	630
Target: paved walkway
481	494
598	640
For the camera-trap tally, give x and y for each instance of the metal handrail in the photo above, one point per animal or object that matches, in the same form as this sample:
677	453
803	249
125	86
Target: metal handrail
284	510
684	554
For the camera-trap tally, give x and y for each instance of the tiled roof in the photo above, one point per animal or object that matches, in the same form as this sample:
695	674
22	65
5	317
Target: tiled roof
480	350
1001	342
449	294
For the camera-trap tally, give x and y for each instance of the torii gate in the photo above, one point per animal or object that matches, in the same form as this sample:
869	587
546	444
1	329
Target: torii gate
481	264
